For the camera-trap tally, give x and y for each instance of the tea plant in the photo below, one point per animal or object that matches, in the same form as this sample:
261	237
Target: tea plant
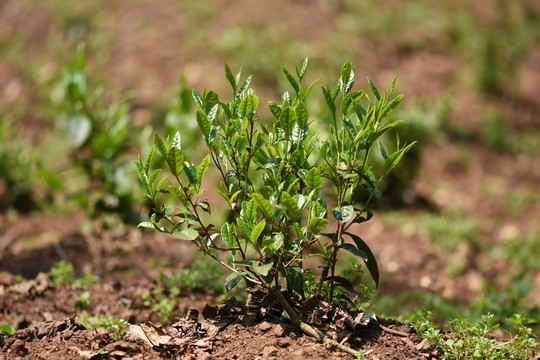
98	131
469	340
272	177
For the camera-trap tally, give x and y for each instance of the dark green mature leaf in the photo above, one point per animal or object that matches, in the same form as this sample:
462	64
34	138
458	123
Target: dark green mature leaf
202	168
205	205
382	150
175	159
233	280
229	75
313	180
347	103
265	206
343	213
203	123
187	234
374	89
244	86
317	224
344	283
355	251
191	172
287	120
291	80
296	279
329	100
290	204
301	115
371	263
228	234
347	78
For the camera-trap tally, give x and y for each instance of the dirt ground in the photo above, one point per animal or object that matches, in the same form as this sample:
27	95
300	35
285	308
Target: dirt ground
484	183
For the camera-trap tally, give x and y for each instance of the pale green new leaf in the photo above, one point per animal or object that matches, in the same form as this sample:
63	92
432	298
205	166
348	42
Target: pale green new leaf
187	234
257	231
301	115
290	204
203	123
263	269
291	80
265	206
313	180
228	234
149	159
317	224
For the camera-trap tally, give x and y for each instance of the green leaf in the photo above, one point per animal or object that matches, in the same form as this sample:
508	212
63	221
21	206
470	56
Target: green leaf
343	213
301	115
153	177
146	224
229	75
212	114
191	173
198	98
257	231
390	107
313	180
296	279
149	159
203	123
263	269
289	202
246	230
233	280
177	141
302	72
265	206
187	234
317	224
291	80
355	251
275	109
287	120
374	89
244	86
329	100
228	234
248	105
205	206
159	144
347	78
347	103
175	159
344	283
202	168
79	129
382	150
371	263
394	159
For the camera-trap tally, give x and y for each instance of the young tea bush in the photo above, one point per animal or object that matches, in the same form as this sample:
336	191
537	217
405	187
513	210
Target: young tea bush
276	179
